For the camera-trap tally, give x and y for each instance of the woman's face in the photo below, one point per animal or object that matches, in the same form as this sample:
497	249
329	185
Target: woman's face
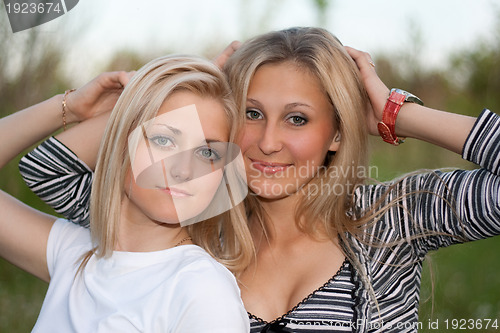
177	158
288	131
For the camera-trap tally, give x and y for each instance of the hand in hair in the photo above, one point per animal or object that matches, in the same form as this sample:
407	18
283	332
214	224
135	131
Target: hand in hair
221	59
97	96
377	90
444	129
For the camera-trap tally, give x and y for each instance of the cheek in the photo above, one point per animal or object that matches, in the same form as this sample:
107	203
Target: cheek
141	159
311	146
248	137
207	185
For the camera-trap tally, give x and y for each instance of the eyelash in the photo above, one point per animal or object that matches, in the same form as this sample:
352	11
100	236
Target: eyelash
155	140
303	120
200	151
254	111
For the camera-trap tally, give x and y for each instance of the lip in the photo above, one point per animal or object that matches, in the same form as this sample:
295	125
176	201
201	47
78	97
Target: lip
175	192
269	167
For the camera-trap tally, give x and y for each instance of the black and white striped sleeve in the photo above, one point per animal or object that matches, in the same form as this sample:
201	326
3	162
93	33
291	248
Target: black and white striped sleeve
462	205
483	144
56	175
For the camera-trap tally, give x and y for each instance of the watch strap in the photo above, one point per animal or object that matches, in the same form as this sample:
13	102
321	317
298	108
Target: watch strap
387	127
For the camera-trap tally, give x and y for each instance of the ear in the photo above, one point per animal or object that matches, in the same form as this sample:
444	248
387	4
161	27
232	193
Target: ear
335	144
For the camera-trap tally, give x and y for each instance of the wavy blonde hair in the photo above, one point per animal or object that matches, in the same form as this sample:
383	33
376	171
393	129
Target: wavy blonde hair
321	54
225	237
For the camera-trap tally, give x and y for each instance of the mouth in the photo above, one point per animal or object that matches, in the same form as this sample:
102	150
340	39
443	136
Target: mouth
175	192
268	167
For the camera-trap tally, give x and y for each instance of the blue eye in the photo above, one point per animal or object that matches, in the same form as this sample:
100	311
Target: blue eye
208	154
297	120
253	114
162	141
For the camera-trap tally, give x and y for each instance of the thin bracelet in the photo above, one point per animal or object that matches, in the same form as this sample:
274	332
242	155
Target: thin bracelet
64	106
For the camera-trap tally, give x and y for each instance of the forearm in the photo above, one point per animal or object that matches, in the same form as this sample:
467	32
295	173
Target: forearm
447	130
84	138
437	127
28	126
60	171
24	128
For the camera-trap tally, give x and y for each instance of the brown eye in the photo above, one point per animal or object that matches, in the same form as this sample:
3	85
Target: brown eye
297	120
254	114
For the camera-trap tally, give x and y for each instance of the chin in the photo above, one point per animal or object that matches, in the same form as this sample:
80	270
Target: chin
167	218
267	193
273	190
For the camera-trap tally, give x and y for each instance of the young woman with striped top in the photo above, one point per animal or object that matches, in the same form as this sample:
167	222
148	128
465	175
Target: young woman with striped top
334	253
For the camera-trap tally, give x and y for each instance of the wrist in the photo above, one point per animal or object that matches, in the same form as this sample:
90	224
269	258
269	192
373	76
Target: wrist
66	109
387	126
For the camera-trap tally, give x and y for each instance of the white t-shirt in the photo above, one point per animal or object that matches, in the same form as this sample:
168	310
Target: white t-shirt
181	289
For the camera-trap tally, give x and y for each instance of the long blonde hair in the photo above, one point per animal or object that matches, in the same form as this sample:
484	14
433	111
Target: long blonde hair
225	237
321	54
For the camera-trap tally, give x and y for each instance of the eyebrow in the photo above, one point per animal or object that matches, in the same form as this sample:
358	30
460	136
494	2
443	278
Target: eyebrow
176	131
294	105
287	107
253	101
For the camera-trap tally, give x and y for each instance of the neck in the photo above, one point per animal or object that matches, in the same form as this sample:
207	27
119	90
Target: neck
139	233
280	219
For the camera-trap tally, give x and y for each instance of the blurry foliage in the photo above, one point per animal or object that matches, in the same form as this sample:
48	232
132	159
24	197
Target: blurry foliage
31	70
480	69
126	61
321	8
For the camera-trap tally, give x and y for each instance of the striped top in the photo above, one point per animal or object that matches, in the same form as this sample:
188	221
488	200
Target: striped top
431	210
328	308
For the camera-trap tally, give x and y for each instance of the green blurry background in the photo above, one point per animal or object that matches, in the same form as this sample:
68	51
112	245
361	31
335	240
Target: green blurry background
461	282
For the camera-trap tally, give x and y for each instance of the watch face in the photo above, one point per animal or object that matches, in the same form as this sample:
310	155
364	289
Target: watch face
409	96
414	99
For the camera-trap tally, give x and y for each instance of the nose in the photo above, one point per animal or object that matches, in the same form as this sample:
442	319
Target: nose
181	168
270	141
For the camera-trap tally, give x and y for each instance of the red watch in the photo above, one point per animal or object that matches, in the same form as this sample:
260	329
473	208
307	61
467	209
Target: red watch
387	127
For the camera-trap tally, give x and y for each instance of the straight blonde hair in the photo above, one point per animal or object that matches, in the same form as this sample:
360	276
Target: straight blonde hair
225	237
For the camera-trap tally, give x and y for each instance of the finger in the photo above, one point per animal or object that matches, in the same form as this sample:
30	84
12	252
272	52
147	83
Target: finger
362	59
221	59
115	80
377	90
124	77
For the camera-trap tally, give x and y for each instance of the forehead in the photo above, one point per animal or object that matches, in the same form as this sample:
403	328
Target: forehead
194	114
285	75
287	82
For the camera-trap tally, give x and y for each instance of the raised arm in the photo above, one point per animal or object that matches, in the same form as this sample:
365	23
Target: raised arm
444	129
440	208
24	231
59	171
